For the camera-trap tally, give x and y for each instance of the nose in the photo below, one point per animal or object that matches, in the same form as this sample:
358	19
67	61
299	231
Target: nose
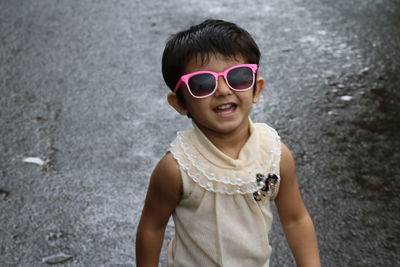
222	87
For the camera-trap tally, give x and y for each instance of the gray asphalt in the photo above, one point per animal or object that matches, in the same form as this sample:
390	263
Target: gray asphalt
81	88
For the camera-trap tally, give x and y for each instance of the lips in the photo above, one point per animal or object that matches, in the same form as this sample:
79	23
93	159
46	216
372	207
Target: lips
225	109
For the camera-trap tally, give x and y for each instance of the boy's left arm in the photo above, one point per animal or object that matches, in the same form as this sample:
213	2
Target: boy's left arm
297	223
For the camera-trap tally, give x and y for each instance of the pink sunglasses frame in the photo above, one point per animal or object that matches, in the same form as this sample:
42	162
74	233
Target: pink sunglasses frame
185	79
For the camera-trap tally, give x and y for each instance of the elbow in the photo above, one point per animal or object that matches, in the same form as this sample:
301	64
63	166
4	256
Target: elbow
297	220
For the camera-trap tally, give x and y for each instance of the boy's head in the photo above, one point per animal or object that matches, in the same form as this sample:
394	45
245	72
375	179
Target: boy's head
201	41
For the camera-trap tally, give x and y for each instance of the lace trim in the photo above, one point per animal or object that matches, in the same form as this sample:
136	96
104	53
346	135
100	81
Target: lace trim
233	182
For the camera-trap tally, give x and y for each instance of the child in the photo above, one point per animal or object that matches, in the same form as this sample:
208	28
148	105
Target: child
218	179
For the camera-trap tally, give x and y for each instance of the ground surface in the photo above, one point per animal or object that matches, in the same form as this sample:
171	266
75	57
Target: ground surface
80	86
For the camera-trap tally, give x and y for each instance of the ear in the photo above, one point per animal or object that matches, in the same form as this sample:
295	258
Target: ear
258	89
174	102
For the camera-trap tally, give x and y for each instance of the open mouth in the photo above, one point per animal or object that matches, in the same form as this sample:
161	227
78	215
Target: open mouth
225	109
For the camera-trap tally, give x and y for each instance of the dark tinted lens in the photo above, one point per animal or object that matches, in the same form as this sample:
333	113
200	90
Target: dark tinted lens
240	78
202	84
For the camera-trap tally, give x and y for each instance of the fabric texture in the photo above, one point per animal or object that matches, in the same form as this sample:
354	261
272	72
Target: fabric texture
218	221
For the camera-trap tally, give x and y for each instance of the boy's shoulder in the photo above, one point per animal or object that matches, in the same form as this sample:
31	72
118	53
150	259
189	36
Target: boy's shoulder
167	174
167	165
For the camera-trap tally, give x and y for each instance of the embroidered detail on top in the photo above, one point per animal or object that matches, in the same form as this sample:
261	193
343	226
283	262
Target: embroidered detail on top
270	186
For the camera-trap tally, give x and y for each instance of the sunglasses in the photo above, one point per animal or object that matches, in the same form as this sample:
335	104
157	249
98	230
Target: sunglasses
202	84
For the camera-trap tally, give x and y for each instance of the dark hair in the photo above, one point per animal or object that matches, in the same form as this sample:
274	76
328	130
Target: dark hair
208	37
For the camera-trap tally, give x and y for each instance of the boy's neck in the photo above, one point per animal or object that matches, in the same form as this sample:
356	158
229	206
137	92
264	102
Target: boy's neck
230	144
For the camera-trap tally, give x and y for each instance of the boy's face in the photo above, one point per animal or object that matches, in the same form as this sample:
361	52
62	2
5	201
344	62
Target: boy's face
224	112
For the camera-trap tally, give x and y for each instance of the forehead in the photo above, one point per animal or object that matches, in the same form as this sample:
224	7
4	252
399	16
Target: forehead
213	62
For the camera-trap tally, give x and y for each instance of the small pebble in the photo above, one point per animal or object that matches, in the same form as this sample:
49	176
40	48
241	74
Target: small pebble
346	98
3	194
54	235
364	71
33	160
57	258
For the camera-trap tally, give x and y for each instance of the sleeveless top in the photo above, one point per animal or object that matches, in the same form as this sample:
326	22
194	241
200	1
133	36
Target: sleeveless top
224	216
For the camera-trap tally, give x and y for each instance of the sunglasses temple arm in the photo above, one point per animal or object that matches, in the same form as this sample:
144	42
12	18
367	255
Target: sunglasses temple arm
177	86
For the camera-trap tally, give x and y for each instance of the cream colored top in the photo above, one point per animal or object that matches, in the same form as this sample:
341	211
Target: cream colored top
218	221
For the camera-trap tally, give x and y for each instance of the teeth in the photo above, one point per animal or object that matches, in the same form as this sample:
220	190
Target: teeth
225	106
225	109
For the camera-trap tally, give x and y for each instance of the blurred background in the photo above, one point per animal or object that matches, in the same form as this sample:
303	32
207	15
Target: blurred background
84	120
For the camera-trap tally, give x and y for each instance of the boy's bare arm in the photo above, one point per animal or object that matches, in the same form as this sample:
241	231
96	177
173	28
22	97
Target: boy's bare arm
163	195
297	224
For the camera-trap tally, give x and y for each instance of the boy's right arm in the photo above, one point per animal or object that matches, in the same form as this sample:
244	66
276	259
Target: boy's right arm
163	195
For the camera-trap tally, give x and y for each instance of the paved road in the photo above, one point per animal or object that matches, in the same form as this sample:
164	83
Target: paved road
81	88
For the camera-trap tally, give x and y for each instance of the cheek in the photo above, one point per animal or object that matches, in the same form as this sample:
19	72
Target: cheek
247	98
194	106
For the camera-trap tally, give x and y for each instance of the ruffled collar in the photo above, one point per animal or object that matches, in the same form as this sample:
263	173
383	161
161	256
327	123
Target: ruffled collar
213	170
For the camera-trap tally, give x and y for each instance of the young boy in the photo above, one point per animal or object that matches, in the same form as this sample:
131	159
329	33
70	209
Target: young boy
218	179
